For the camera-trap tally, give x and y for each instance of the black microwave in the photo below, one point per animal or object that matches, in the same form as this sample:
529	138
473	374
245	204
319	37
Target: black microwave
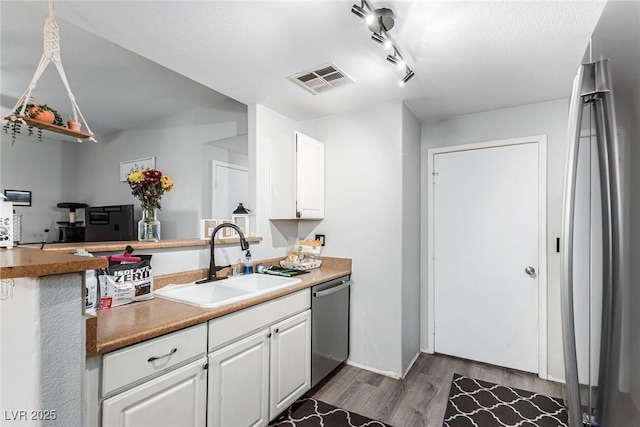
106	223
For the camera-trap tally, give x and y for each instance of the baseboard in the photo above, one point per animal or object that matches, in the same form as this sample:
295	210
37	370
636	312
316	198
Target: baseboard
394	375
427	350
390	374
406	371
558	380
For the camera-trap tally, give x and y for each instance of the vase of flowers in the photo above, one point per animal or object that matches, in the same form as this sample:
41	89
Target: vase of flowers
149	185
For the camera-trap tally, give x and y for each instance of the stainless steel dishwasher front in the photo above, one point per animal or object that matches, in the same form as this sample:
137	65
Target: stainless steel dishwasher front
329	327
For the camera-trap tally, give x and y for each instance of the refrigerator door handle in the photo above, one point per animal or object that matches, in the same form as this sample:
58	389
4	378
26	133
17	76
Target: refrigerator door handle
572	386
593	85
612	238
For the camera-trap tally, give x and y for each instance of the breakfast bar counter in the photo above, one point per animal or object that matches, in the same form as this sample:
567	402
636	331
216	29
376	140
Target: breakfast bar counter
30	262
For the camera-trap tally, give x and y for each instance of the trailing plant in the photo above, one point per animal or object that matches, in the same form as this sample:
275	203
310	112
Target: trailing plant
15	125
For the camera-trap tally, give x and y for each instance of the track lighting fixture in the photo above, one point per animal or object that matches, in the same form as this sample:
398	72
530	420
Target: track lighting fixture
406	77
380	21
382	40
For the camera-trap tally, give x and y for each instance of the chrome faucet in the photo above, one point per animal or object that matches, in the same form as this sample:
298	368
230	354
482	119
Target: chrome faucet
212	262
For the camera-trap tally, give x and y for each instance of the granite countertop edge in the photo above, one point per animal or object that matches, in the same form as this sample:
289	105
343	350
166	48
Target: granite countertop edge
118	327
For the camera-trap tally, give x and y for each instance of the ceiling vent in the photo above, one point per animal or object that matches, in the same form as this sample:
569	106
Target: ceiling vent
322	79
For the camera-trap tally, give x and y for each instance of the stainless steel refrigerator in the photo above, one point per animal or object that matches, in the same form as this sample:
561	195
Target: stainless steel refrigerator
600	252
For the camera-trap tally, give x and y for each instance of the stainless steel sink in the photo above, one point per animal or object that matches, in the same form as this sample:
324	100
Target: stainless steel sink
221	292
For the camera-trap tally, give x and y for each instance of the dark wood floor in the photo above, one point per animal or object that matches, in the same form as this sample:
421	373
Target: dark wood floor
420	399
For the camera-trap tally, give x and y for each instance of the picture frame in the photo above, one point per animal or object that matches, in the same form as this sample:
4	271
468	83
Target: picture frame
129	166
18	197
227	232
206	228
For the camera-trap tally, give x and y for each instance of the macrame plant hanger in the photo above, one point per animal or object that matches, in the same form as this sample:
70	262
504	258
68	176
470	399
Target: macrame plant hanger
51	54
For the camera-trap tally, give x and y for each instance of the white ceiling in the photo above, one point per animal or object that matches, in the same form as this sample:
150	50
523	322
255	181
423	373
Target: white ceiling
468	56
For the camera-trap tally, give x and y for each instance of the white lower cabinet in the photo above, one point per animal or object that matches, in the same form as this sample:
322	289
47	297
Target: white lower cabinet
260	362
239	383
290	367
251	381
178	398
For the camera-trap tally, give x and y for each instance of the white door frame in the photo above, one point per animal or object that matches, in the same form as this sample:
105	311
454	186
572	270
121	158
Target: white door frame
541	140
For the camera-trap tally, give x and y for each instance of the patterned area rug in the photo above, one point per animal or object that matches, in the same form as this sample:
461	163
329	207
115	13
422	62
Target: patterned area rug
308	412
484	404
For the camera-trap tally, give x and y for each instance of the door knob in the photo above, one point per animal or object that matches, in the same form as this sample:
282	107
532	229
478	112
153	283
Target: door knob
531	272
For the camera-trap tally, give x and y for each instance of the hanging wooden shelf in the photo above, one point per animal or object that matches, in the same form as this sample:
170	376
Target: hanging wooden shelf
50	127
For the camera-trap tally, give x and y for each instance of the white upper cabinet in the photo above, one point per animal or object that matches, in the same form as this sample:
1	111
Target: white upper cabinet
297	177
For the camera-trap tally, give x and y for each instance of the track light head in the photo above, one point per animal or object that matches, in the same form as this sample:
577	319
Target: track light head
362	13
399	62
382	40
407	77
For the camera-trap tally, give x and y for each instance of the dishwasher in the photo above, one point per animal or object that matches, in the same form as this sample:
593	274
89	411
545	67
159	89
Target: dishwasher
329	327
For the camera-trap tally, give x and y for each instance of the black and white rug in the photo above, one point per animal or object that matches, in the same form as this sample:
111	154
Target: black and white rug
484	404
308	412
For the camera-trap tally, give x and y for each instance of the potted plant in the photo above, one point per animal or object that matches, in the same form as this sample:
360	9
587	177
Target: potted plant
35	111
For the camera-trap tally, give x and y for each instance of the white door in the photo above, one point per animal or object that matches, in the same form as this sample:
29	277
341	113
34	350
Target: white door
239	383
290	361
178	398
230	186
485	237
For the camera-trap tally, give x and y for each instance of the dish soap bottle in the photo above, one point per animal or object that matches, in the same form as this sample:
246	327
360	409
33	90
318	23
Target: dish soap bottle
248	266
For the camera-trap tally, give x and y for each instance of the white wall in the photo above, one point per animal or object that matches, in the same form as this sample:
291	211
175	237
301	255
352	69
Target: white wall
42	332
363	221
410	237
548	118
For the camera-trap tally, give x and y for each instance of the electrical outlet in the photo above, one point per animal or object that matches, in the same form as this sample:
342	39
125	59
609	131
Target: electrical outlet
321	238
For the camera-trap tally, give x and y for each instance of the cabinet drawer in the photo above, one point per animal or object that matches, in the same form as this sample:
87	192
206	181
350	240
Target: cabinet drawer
237	325
129	365
177	398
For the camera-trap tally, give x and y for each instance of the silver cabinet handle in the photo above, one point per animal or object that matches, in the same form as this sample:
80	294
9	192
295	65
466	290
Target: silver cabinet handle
325	292
531	272
151	359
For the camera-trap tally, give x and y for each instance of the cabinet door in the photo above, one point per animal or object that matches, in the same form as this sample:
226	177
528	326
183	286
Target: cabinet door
309	178
282	176
239	383
177	398
290	361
